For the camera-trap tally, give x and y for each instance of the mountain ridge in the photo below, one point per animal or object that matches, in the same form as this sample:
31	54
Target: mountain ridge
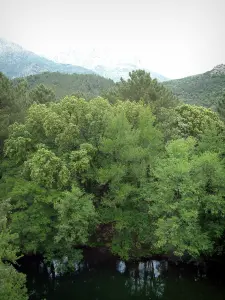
105	64
218	69
15	61
204	89
85	85
123	71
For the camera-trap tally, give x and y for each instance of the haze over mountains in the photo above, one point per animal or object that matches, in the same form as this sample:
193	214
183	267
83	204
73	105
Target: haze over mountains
105	62
203	89
18	62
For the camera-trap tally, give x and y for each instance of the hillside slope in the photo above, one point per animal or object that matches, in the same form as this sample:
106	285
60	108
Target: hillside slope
88	85
18	62
203	89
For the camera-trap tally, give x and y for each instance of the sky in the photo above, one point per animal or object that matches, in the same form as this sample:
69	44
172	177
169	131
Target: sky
175	38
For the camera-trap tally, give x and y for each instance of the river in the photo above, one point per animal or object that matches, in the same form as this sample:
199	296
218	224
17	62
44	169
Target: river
109	278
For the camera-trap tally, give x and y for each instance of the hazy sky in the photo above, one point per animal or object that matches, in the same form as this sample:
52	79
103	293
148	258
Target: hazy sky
173	37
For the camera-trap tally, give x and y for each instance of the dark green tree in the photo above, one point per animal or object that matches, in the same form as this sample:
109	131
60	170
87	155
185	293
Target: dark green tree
14	101
42	95
140	86
221	107
12	283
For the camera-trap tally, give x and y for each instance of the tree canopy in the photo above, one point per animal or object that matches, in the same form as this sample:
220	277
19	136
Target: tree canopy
138	172
140	86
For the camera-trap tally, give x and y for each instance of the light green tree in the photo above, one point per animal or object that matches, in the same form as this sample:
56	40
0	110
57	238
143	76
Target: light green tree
188	120
187	199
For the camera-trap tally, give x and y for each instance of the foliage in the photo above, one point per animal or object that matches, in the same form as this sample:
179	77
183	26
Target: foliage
139	173
221	107
204	89
140	86
107	152
15	99
13	103
12	283
76	214
187	199
41	95
85	86
6	102
188	120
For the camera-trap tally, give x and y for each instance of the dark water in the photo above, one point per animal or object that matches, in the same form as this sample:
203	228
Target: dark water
112	279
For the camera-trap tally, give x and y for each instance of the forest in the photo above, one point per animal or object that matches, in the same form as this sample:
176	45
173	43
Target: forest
134	170
87	86
203	89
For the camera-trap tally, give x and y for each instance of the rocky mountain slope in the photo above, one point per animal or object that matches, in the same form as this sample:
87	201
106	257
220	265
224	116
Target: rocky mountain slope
18	62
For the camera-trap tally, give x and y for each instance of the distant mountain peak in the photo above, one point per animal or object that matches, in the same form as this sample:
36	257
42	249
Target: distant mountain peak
104	63
7	46
15	61
219	69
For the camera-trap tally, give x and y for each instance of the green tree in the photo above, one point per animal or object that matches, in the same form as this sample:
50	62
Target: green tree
221	107
98	173
188	120
14	101
104	150
42	95
140	86
87	86
76	219
128	151
6	103
187	199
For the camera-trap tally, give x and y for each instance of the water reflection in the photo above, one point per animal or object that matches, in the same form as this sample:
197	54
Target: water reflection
121	266
146	278
116	279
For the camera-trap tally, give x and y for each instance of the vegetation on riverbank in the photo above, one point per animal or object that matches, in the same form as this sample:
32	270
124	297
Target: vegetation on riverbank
136	171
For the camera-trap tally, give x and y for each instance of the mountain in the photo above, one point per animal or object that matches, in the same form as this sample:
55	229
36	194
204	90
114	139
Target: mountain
86	85
203	89
18	62
122	70
105	63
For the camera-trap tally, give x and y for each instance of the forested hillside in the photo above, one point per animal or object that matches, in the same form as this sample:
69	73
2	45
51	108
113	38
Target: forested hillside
136	171
204	89
85	85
